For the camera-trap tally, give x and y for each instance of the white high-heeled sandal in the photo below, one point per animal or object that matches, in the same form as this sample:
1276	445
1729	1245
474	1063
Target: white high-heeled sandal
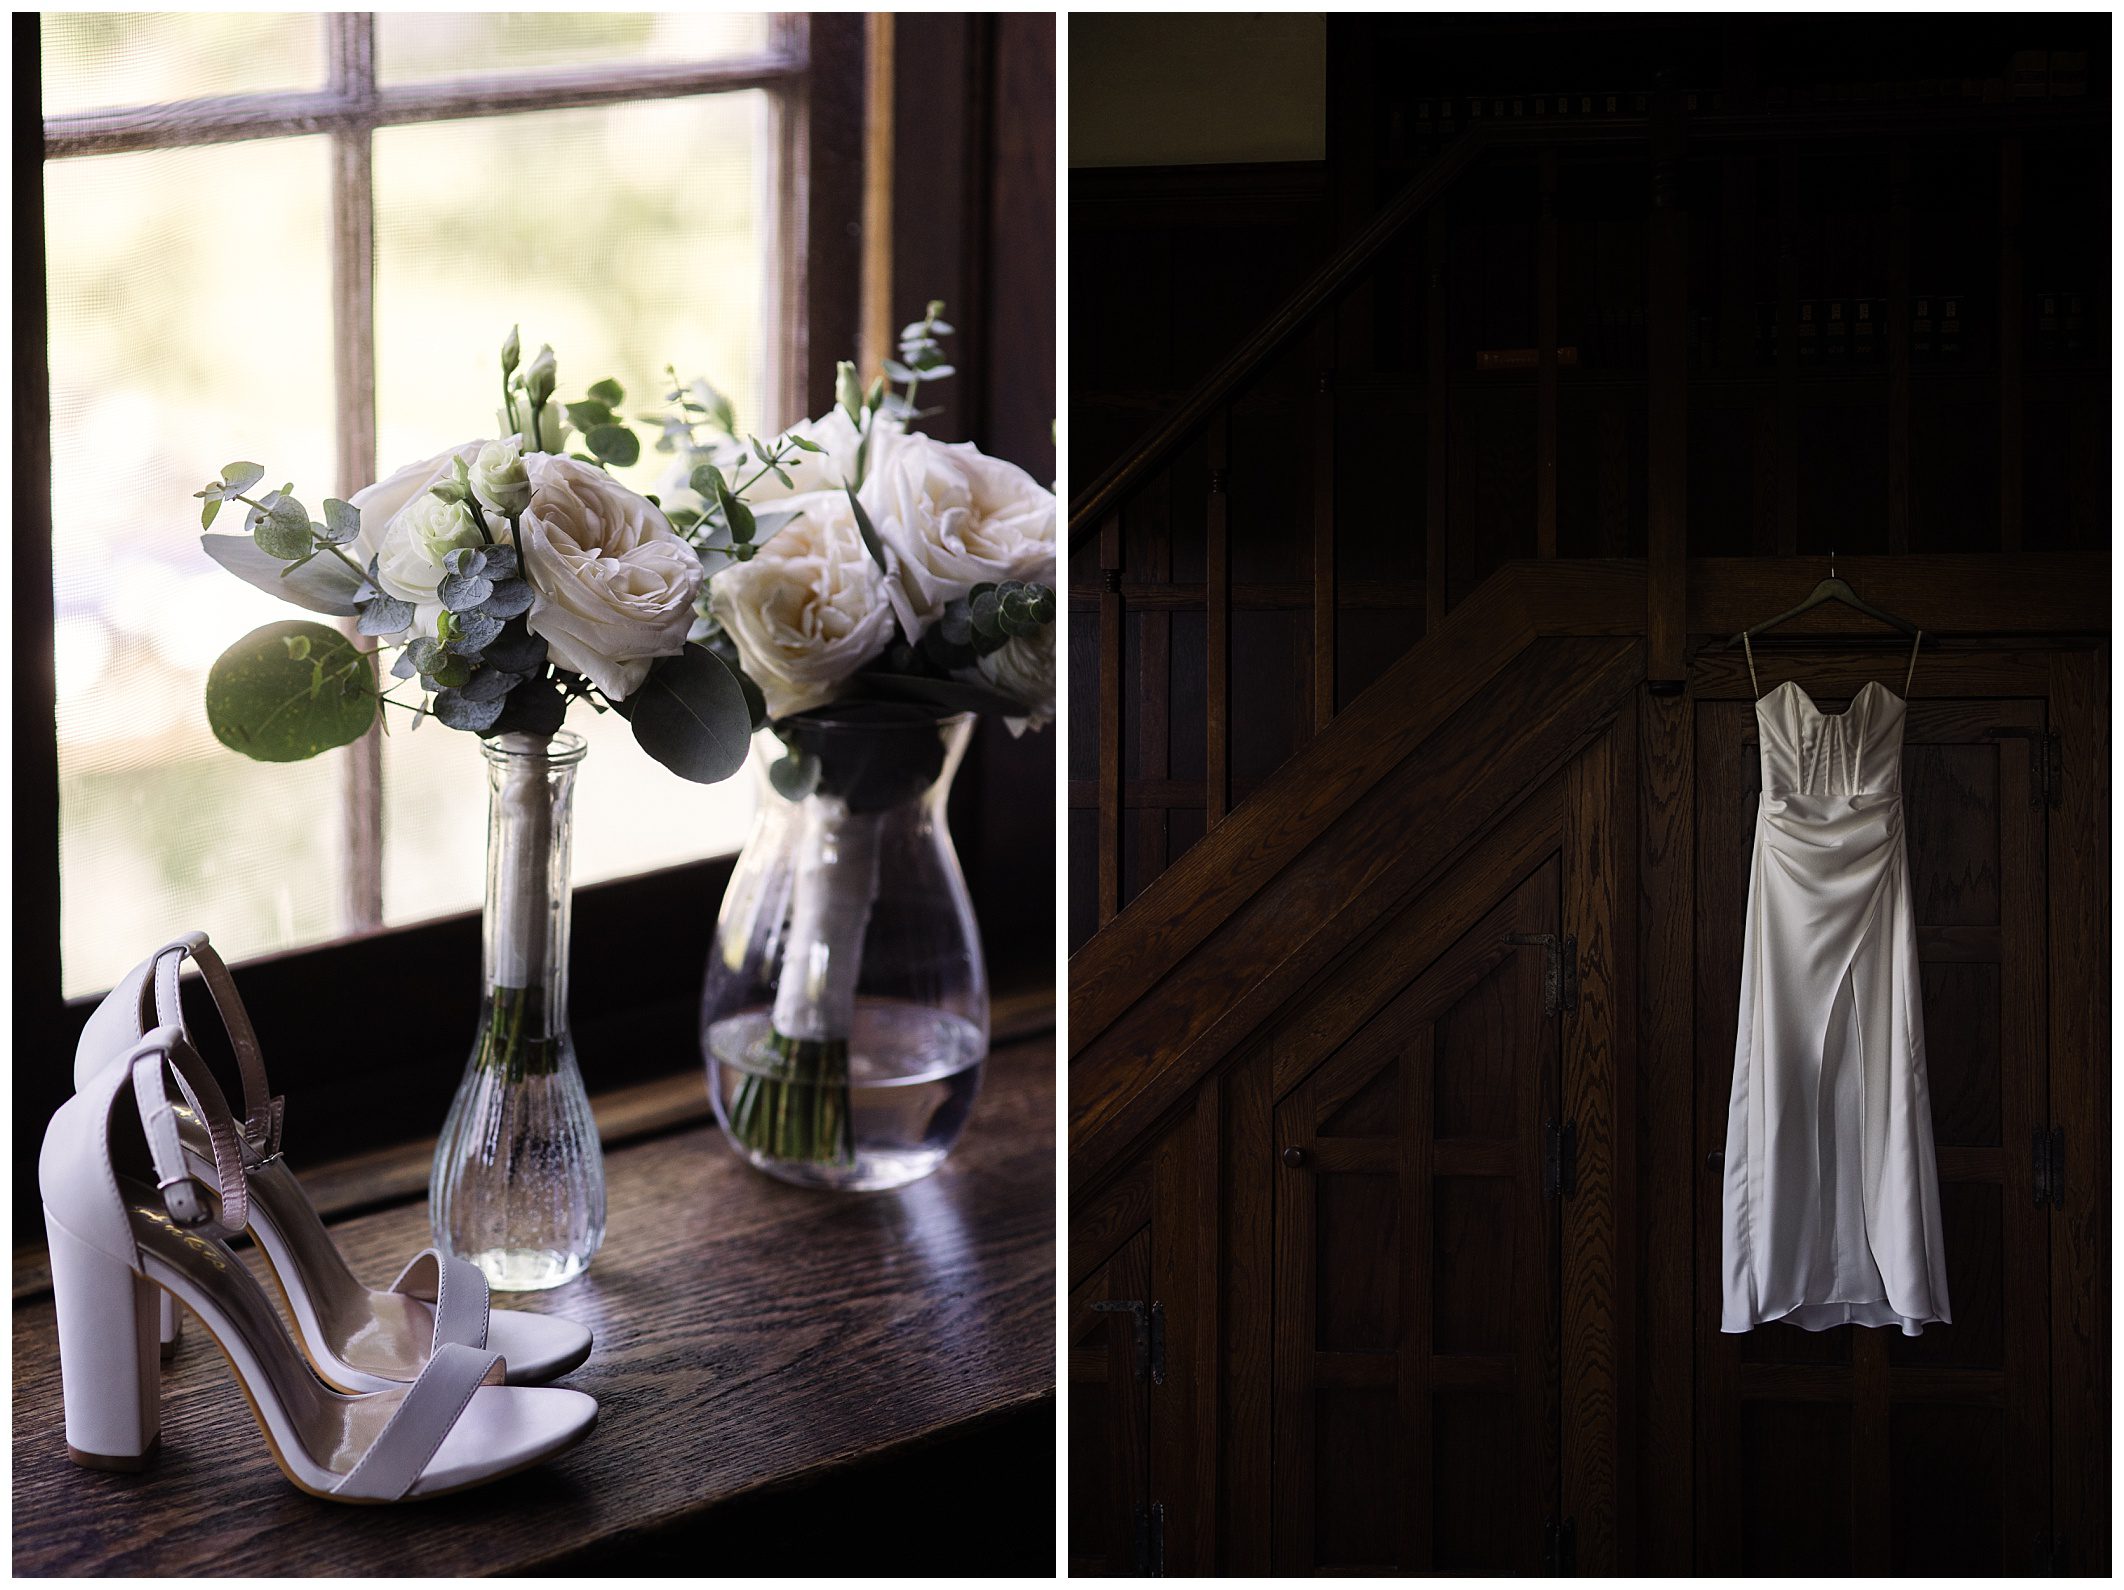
356	1338
118	1237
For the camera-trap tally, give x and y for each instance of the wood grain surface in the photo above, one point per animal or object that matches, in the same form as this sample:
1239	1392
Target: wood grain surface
749	1335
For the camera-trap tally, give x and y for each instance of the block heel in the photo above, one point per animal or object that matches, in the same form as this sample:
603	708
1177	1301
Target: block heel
110	1360
169	1323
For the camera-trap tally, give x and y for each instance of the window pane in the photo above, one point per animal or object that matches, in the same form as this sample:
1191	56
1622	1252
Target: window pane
625	262
101	60
190	325
420	47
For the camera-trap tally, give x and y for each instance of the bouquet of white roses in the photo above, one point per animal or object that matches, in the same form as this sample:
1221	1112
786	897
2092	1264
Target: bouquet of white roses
902	573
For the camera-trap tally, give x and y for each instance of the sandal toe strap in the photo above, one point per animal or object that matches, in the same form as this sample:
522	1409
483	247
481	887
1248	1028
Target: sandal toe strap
458	1290
426	1414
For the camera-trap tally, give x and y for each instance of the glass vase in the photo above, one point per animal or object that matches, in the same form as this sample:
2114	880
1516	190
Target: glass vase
844	1017
518	1185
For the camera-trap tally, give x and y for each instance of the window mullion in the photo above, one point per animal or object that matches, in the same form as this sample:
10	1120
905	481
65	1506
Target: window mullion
353	80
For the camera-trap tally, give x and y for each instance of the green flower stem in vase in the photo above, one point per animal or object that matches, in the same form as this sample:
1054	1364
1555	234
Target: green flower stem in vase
801	1109
518	1184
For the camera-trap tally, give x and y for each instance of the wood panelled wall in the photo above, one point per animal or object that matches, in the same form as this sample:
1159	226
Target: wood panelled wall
1316	1105
1883	423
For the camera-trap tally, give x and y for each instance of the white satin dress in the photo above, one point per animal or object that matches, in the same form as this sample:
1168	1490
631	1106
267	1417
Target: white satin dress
1832	1208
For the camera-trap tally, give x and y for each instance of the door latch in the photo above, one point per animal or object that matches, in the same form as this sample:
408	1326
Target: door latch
1149	1335
1559	978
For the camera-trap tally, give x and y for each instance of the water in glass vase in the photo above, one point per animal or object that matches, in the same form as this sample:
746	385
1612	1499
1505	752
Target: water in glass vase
881	1110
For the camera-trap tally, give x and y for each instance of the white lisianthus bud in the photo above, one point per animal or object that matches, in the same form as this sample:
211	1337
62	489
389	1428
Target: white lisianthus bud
540	376
848	391
499	479
552	430
512	350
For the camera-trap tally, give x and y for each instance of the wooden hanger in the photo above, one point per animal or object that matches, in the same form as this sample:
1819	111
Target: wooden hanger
1830	590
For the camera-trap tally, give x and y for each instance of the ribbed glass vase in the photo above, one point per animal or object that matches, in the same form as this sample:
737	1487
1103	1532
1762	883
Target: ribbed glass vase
518	1185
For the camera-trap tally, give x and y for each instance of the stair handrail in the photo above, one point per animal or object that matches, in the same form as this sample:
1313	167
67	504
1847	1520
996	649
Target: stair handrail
1320	289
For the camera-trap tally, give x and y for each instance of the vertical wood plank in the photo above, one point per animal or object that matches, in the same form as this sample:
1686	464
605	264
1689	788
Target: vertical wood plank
1205	1325
2011	312
1665	1102
1786	472
1597	1096
1218	690
1667	318
2079	862
1545	377
1324	528
1153	704
1899	348
1414	1406
1249	1225
1435	435
353	73
1869	1452
1111	618
39	1003
1174	1439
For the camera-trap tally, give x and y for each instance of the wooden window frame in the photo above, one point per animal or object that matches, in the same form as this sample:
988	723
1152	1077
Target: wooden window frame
634	987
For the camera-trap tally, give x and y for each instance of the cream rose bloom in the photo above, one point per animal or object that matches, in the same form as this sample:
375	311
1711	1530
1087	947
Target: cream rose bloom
615	584
400	530
955	519
1023	668
809	609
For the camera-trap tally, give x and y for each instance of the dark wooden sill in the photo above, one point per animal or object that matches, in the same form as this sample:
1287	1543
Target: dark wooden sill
751	1337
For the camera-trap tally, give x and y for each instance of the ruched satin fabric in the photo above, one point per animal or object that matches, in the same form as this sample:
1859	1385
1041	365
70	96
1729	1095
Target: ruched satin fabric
1832	1209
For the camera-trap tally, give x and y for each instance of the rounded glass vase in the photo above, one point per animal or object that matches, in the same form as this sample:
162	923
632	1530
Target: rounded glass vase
844	1018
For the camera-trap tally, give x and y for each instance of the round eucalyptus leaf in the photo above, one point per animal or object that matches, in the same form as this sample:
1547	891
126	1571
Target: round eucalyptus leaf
276	706
690	713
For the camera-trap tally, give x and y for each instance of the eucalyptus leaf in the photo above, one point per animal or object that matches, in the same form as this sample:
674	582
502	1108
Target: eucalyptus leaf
238	478
342	522
211	507
516	649
498	562
690	714
385	615
285	531
536	706
608	392
460	593
275	706
456	710
615	444
323	586
476	631
508	599
489	684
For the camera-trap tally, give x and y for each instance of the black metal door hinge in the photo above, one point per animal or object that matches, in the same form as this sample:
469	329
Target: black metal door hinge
2046	764
1150	1540
1559	1158
1150	1336
1559	978
1559	1548
2048	1152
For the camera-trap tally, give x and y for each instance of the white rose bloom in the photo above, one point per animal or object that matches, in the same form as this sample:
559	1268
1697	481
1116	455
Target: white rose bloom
403	564
955	519
809	609
1023	668
615	584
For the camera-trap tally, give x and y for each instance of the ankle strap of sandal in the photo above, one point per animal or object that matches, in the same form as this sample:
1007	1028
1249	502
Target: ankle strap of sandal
164	1051
262	1107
